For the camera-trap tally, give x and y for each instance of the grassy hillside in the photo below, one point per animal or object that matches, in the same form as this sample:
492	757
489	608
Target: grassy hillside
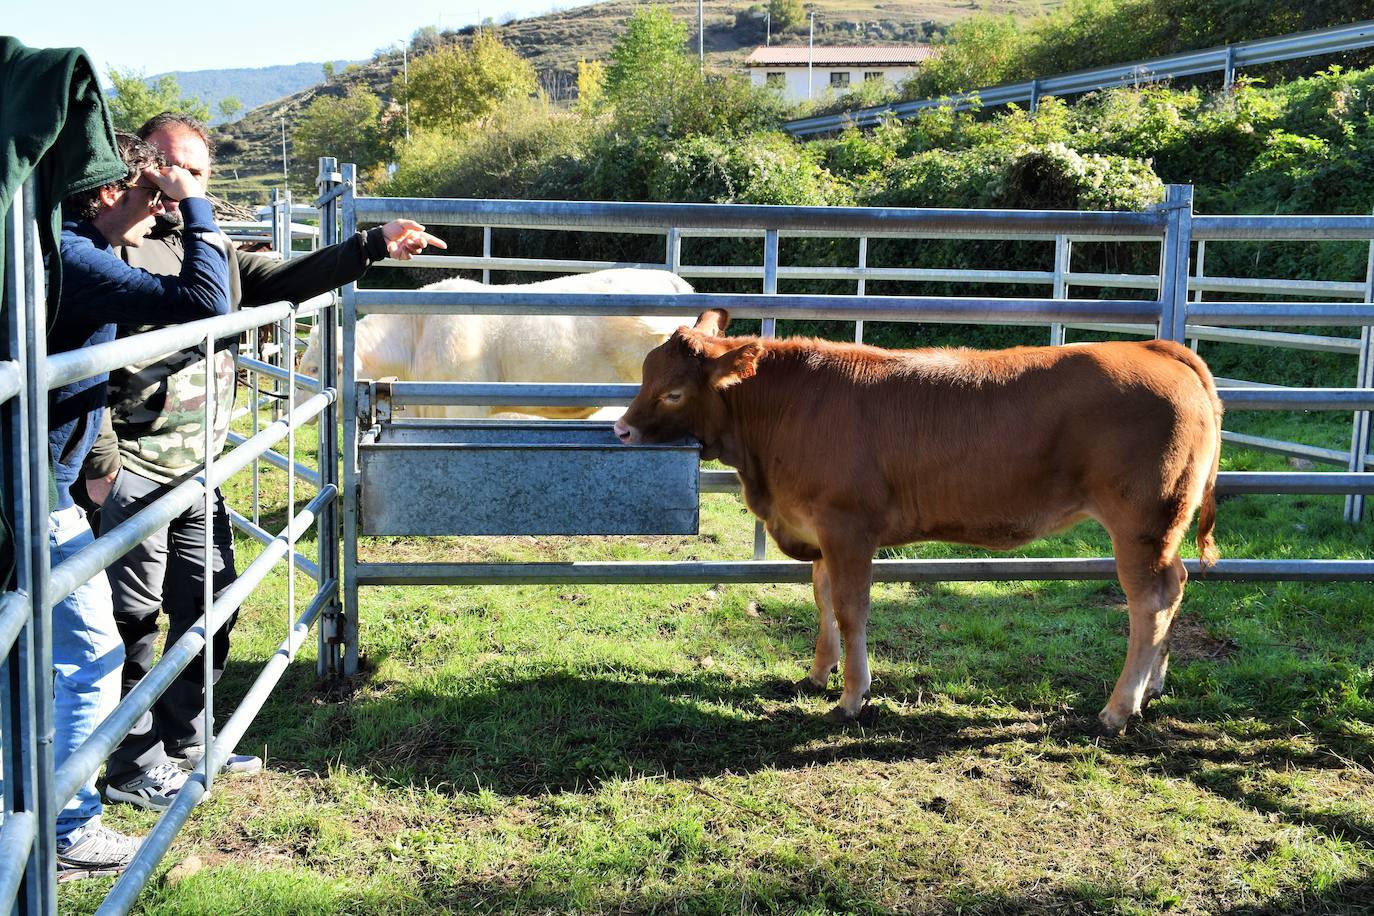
250	154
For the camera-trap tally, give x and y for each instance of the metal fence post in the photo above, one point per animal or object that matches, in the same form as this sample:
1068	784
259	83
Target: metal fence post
770	329
1197	293
1359	433
27	664
349	493
1062	253
208	586
486	253
863	263
1173	274
673	255
327	661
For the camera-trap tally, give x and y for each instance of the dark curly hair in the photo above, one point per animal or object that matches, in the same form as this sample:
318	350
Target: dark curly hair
137	154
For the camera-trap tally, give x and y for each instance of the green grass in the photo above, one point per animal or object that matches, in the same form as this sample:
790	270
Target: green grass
636	749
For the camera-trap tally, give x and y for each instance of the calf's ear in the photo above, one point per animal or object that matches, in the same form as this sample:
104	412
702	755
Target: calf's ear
713	322
734	366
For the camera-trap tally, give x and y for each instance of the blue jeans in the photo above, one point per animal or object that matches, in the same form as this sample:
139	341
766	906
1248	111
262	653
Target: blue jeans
87	657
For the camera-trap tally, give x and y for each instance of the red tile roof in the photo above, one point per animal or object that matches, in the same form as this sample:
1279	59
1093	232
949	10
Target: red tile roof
831	55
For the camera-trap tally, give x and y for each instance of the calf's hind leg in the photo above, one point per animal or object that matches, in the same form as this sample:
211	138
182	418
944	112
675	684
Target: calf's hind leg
1154	589
1154	689
827	635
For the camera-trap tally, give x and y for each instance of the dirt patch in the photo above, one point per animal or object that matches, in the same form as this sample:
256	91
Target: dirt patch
1191	641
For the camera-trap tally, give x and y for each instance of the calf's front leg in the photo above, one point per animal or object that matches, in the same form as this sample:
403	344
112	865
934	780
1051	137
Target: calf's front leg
849	570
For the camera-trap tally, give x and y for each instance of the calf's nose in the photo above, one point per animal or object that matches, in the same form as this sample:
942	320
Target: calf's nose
624	432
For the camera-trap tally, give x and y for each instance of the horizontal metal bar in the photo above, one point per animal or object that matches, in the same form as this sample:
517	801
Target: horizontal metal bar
1283	228
658	217
1294	482
1264	285
279	461
16	841
714	572
1282	339
64	368
257	365
1343	314
116	542
11	380
539	265
155	846
330	195
1292	449
566	394
262	535
909	274
1267	398
714	481
87	758
15	609
753	305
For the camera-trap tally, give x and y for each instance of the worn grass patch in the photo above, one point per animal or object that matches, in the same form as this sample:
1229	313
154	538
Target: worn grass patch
548	749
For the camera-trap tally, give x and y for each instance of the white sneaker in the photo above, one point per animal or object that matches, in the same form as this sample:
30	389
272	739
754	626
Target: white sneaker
152	789
189	757
97	853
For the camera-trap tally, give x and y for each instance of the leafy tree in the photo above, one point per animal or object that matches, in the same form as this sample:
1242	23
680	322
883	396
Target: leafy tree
328	68
650	70
229	107
347	128
786	14
135	101
591	84
456	85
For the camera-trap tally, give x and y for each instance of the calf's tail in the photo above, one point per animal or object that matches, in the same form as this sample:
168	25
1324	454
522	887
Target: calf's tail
1207	512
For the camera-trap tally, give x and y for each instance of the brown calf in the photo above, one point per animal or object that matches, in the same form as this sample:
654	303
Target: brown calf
845	448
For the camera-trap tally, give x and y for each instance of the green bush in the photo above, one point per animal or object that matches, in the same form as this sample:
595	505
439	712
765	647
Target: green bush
763	168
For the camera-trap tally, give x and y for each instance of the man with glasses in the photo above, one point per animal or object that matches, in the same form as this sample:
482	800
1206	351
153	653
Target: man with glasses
156	441
99	291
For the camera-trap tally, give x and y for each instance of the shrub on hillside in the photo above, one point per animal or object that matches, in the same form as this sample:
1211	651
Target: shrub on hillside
765	168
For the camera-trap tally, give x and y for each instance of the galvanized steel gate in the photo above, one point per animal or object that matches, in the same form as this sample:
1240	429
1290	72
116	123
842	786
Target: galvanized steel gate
34	790
1171	315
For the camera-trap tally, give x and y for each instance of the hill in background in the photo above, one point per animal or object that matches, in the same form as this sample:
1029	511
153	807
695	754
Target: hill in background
250	157
252	85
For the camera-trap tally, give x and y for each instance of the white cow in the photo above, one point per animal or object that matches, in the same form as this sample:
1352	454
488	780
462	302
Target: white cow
514	348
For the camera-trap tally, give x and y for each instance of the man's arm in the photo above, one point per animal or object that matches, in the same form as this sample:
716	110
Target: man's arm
265	280
102	464
112	291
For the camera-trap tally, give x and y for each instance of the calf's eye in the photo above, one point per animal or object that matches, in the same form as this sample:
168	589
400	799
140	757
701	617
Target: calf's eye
672	397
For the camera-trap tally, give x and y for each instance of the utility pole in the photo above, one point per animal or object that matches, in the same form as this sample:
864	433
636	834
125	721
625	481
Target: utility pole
768	27
810	54
405	78
701	34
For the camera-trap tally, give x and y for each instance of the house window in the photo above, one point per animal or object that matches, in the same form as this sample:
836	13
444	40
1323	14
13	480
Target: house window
839	79
871	75
774	80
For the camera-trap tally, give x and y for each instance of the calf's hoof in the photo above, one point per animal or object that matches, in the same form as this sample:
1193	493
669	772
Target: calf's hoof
1104	726
866	716
809	688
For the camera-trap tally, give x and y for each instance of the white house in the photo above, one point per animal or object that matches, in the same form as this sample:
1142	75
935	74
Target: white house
832	67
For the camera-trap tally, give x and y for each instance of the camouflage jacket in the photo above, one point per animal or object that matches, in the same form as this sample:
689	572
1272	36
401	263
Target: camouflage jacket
154	424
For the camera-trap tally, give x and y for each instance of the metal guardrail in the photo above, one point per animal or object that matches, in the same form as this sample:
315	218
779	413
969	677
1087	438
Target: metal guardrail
34	789
1223	59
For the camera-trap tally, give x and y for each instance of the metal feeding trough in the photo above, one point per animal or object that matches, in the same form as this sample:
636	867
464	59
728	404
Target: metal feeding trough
522	477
